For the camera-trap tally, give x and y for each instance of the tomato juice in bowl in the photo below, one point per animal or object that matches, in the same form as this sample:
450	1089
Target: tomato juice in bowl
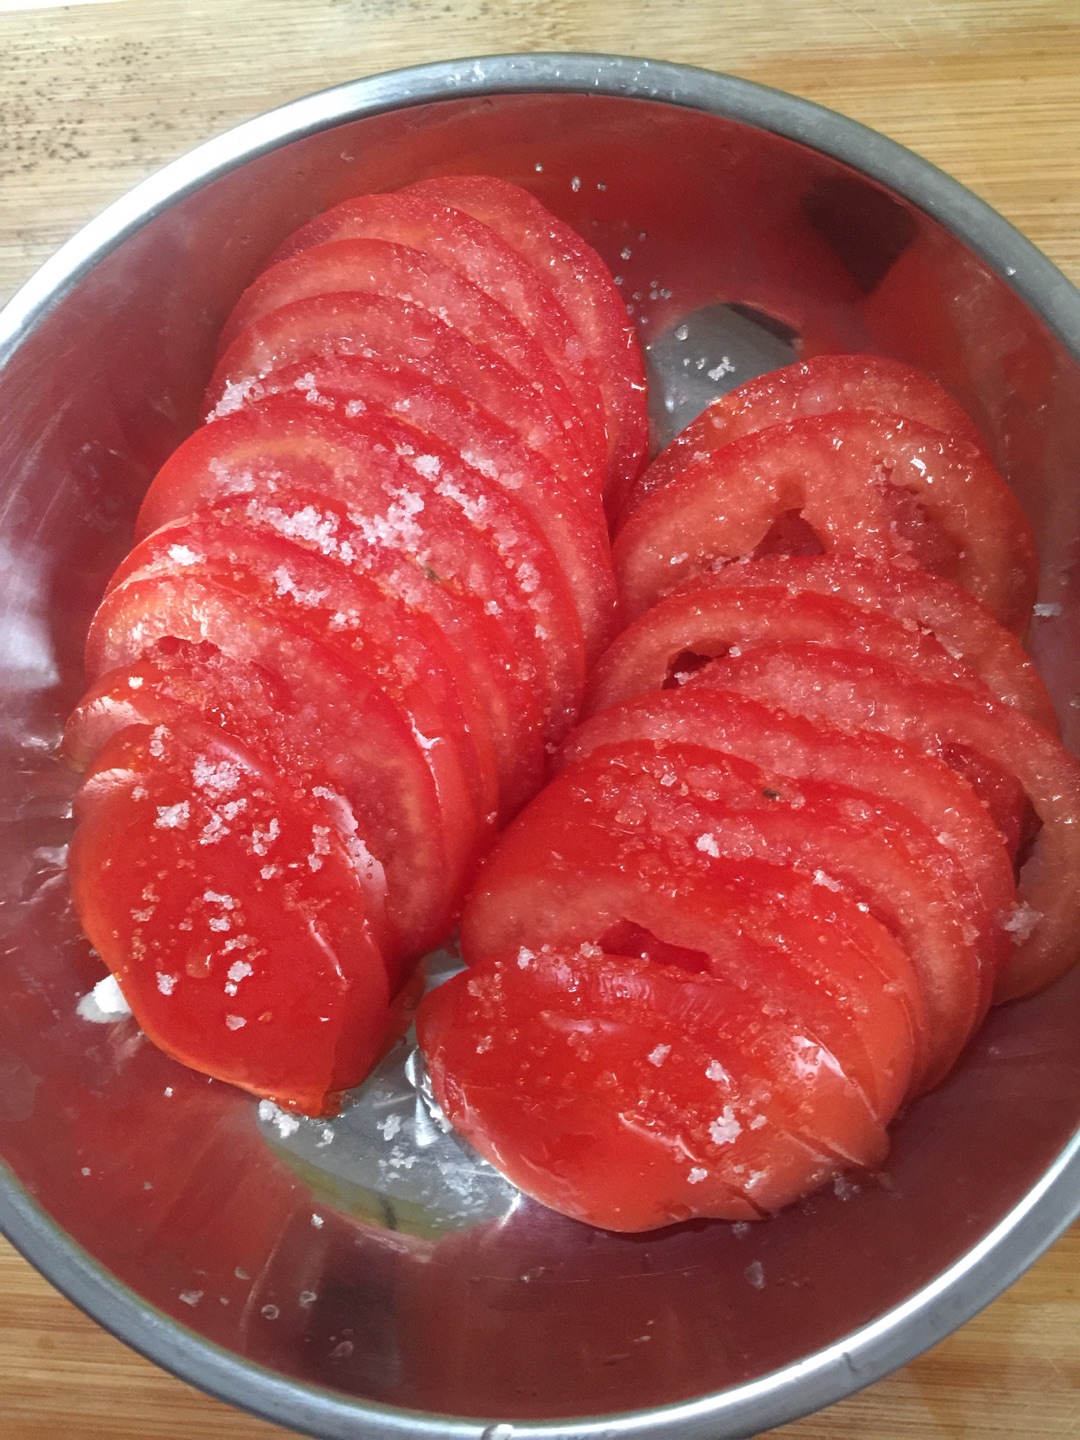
298	1274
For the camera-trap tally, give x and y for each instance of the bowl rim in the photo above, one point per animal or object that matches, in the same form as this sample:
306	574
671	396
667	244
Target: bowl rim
954	1296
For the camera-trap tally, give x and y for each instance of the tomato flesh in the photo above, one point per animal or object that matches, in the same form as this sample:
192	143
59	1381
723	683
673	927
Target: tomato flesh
478	254
584	860
584	287
704	620
344	727
871	764
398	650
176	682
571	519
702	808
395	332
417	501
629	1095
861	483
856	694
246	954
820	385
918	599
400	272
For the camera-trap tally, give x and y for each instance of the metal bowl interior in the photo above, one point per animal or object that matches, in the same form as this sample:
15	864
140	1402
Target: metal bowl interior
150	1195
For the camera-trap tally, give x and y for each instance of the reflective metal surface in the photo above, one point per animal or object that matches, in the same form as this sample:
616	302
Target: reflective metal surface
248	1260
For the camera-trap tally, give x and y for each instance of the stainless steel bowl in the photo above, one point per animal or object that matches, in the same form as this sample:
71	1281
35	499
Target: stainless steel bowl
308	1290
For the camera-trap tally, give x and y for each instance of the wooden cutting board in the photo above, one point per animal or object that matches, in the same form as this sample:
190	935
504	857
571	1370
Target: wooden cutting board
95	96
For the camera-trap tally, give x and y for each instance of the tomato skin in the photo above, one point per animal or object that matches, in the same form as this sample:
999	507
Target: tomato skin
821	385
862	484
246	954
627	1095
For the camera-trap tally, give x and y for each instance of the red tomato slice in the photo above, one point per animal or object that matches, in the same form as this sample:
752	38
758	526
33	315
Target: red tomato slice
425	504
701	621
862	484
854	693
399	272
176	683
793	967
231	916
630	1095
478	254
871	764
572	520
585	289
501	684
702	807
821	385
421	831
914	597
395	332
583	861
400	650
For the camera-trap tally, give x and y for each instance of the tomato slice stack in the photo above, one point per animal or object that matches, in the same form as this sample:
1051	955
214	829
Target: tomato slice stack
366	590
817	822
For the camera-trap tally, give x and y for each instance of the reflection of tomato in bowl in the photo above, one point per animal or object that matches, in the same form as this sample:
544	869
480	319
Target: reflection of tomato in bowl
327	1277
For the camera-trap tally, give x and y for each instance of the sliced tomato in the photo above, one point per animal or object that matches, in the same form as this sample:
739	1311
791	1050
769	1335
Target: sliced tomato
701	806
793	966
586	290
820	385
504	684
375	466
400	650
171	680
399	272
916	598
572	519
420	502
230	914
480	255
694	811
584	861
395	332
855	694
343	725
860	483
175	683
872	764
629	1095
702	620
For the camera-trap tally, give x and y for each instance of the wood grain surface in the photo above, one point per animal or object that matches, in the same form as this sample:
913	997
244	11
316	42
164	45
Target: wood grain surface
95	96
